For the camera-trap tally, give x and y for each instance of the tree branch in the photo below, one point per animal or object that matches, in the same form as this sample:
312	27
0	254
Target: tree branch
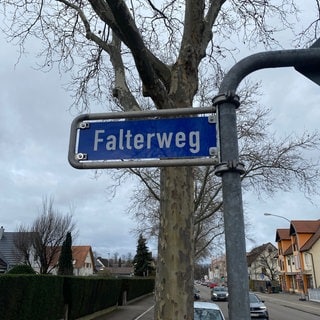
154	74
211	16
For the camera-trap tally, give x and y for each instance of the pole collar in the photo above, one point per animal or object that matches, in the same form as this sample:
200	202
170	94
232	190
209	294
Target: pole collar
228	97
232	165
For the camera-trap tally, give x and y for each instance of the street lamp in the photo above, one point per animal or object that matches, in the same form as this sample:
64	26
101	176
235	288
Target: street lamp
282	217
275	215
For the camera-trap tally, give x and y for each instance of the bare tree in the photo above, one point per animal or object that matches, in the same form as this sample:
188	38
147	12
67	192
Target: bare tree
23	245
155	51
264	261
271	165
269	264
45	236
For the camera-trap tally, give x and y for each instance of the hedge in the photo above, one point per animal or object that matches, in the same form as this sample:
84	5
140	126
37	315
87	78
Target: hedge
44	297
31	297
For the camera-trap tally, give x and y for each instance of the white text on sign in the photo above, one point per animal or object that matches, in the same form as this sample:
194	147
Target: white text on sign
126	140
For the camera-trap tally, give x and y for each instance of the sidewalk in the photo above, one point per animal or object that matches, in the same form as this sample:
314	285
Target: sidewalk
293	301
133	310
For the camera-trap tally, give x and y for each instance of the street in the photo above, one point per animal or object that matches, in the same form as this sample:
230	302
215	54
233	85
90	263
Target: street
280	306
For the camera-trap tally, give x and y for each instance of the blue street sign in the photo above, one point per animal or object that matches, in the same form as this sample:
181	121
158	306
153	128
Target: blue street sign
103	140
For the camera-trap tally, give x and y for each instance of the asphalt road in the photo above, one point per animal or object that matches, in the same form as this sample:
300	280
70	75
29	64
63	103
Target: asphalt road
280	306
289	307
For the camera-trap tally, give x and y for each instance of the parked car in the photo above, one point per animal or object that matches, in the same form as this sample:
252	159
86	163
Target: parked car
219	293
212	285
207	311
257	307
196	294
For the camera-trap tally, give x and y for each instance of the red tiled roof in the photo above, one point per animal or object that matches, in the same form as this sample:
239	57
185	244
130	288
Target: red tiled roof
79	254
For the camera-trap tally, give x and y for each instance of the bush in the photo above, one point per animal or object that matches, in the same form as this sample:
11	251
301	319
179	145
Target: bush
21	269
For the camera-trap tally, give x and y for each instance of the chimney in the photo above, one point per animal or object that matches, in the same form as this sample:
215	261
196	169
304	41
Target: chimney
1	232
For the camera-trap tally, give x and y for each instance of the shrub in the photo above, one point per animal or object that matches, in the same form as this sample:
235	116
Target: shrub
21	269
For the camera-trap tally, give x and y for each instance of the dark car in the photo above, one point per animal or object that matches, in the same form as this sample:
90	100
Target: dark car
219	293
257	307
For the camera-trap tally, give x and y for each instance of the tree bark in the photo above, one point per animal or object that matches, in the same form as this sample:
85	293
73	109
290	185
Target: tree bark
174	280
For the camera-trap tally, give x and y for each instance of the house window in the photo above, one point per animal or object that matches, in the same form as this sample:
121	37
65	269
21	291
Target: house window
307	257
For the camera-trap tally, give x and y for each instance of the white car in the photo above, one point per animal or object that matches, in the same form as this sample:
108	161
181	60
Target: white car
207	311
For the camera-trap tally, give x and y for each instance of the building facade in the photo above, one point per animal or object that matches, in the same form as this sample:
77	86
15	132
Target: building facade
299	256
262	263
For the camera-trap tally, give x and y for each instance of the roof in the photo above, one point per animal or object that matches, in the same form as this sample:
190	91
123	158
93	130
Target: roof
103	265
304	226
79	254
9	254
311	227
257	251
283	234
103	262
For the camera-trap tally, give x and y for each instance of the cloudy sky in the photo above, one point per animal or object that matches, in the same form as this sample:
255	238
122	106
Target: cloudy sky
34	145
34	140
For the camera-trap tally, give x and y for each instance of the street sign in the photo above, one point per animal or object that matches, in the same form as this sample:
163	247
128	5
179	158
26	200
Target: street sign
145	139
97	142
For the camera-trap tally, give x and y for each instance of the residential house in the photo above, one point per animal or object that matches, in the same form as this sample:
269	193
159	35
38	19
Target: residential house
82	259
299	255
262	263
10	256
218	272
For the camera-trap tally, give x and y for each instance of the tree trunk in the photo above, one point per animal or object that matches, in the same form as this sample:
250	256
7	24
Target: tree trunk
174	280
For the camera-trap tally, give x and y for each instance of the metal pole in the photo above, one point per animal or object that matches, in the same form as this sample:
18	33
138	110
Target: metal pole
230	169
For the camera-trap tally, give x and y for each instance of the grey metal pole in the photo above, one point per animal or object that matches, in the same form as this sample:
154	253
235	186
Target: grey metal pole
230	169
